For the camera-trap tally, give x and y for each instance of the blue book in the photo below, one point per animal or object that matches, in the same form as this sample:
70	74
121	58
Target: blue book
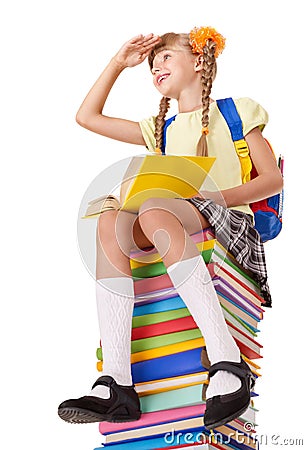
255	330
174	365
159	306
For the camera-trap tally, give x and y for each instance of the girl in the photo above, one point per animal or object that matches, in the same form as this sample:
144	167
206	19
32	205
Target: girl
183	67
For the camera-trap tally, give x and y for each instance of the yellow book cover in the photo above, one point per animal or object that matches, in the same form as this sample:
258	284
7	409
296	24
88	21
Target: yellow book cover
167	350
165	176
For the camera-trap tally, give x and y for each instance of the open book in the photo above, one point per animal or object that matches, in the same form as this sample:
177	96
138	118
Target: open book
150	176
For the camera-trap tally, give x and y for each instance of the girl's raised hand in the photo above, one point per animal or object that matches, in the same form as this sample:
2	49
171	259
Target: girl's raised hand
136	50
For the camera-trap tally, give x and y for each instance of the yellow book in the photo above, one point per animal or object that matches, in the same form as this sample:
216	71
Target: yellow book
252	363
164	351
167	350
165	176
169	384
152	176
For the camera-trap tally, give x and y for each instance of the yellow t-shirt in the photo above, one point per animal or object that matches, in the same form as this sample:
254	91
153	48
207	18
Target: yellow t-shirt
183	134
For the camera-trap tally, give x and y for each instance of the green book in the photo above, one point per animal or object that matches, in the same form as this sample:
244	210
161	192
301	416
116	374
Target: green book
178	398
159	341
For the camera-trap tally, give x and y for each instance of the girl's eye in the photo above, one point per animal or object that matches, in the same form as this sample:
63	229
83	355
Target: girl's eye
166	56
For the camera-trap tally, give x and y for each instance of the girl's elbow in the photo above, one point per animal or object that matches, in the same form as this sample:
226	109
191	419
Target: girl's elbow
81	119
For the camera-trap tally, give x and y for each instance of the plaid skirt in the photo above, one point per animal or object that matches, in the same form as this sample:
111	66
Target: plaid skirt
235	231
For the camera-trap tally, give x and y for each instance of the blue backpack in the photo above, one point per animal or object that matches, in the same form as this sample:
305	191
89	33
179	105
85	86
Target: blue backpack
267	212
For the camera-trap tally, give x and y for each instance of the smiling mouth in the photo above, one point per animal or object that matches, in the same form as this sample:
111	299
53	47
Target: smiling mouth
163	77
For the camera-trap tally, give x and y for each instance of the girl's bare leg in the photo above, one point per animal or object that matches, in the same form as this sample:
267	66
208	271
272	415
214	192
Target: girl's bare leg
117	233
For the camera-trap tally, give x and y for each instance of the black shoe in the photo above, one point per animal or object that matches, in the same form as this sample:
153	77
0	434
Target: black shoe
221	409
122	406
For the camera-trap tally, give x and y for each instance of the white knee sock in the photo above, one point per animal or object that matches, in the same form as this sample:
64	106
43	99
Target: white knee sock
115	302
193	283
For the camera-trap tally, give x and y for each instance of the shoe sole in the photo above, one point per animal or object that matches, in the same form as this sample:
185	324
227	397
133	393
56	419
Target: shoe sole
79	415
227	419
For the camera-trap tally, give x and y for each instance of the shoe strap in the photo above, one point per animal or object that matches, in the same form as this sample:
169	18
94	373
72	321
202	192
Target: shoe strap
116	391
240	369
105	380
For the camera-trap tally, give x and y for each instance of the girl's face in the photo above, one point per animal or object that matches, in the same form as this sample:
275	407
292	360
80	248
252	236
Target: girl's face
174	72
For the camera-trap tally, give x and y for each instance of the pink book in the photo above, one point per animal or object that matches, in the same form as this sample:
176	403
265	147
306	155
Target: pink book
154	418
146	285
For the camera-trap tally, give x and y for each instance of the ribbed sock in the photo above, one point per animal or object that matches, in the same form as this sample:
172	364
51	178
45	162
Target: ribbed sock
193	283
115	302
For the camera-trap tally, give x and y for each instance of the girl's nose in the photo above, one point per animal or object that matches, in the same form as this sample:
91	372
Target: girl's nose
155	70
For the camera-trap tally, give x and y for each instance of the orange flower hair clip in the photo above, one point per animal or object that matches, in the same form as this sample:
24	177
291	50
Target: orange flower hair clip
200	36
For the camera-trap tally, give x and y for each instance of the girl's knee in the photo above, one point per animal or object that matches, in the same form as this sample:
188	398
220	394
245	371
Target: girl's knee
154	204
150	212
107	236
172	213
106	223
156	214
115	229
153	207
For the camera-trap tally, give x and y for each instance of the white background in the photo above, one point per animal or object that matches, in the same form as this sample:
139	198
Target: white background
52	52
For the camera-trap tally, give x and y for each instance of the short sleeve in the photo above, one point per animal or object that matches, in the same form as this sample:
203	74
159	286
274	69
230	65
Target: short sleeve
252	114
148	132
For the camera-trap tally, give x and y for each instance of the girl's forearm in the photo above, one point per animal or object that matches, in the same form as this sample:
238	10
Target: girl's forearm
261	187
94	102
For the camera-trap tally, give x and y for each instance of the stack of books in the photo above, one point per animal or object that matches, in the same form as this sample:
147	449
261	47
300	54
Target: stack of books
168	356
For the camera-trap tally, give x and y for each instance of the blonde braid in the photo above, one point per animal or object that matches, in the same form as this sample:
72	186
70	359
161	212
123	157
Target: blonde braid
208	74
160	121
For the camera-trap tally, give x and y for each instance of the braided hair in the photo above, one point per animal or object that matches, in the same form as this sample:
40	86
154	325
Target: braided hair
207	77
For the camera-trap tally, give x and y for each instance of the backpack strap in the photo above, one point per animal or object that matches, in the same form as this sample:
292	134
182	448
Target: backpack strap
167	123
229	111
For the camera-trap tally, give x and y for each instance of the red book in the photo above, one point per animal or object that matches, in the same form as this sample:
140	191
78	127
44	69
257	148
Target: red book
248	346
157	329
